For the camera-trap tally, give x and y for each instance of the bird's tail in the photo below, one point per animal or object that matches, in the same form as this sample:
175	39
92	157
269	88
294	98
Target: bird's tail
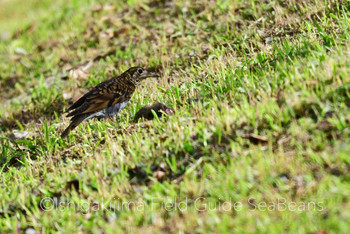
75	121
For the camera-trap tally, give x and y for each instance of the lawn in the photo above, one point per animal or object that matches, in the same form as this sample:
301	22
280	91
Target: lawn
258	139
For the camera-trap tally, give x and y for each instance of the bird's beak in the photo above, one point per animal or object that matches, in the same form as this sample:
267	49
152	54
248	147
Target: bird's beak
151	74
154	74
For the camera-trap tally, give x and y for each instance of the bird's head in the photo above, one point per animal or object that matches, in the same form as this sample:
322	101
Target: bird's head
139	73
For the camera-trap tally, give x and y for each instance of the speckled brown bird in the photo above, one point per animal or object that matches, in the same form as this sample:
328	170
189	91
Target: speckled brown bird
107	98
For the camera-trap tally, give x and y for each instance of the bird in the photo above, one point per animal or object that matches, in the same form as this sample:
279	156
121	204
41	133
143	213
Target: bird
107	98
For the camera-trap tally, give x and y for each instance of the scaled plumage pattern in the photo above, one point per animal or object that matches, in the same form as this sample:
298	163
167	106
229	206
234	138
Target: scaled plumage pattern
107	98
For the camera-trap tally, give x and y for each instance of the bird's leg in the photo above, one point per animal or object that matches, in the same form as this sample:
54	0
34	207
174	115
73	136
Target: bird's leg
111	118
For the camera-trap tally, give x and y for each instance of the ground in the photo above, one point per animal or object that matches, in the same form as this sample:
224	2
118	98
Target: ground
258	140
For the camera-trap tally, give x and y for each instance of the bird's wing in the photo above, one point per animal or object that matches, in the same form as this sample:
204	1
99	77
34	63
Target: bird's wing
104	95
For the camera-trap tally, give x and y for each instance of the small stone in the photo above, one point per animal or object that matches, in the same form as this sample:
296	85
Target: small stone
30	231
21	51
111	218
18	135
138	190
268	40
159	174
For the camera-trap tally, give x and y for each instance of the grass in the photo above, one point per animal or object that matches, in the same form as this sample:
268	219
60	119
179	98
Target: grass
259	138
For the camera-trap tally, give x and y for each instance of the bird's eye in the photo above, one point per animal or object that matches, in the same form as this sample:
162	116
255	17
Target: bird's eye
139	71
